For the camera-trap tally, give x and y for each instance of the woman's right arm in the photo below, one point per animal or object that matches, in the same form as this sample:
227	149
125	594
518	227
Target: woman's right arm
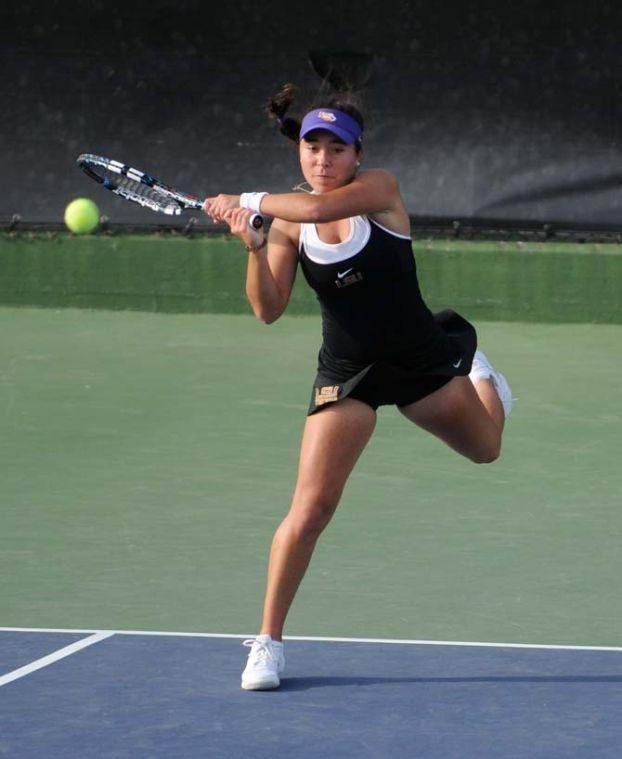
271	270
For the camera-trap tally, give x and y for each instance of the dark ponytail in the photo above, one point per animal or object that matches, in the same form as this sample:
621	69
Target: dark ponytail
276	108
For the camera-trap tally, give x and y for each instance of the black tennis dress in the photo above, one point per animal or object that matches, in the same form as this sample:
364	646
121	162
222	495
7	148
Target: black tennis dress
381	343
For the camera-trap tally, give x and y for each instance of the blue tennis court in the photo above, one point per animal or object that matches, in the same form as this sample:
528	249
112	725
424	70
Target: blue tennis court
173	695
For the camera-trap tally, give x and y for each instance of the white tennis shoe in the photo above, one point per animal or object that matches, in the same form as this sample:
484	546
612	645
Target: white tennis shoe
483	369
265	663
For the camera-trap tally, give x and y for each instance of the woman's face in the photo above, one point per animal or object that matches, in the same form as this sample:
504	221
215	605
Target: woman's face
326	162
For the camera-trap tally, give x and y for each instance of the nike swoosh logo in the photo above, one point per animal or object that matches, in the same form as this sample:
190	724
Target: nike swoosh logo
342	274
455	366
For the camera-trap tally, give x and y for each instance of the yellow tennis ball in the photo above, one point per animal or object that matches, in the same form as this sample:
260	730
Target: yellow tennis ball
81	216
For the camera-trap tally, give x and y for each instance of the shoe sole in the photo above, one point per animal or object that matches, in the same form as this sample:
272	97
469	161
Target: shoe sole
499	382
261	685
504	392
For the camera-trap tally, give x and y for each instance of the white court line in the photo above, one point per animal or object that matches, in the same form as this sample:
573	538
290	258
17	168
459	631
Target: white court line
54	656
389	641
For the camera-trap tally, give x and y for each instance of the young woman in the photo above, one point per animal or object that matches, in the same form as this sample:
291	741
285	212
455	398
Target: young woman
381	343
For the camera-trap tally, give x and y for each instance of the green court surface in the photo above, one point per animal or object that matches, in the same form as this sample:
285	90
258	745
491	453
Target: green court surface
147	459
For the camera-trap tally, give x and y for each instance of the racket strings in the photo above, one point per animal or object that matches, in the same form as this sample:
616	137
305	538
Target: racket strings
144	195
135	185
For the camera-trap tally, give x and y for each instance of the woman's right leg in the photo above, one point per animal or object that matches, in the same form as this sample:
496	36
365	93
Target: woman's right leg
332	441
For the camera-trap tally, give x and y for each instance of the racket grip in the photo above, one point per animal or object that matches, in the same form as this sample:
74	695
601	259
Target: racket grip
256	221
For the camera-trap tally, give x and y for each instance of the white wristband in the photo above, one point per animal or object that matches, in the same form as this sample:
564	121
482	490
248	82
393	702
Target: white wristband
252	200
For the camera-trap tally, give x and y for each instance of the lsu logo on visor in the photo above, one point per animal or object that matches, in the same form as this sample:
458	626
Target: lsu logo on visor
326	116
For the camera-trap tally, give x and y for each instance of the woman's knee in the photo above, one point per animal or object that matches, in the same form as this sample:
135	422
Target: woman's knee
310	516
487	453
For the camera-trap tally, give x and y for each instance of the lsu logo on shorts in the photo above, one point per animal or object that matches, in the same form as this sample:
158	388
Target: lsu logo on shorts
327	394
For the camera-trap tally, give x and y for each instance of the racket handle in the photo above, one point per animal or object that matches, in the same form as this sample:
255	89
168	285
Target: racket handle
256	221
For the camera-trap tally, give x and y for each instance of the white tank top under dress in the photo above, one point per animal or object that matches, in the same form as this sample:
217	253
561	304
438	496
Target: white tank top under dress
381	343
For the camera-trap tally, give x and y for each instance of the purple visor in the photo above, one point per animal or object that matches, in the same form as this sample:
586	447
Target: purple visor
337	122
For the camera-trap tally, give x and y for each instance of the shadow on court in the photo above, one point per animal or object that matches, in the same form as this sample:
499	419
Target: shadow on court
306	683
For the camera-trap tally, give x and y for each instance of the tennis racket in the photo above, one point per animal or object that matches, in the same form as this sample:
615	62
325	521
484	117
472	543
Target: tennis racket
138	187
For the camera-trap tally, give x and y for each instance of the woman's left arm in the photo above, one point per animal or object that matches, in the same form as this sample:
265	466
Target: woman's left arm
373	191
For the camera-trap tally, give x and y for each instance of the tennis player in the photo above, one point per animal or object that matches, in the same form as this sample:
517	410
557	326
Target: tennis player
381	344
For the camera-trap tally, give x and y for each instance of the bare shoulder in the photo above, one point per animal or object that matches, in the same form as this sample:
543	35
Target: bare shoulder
383	176
284	233
394	217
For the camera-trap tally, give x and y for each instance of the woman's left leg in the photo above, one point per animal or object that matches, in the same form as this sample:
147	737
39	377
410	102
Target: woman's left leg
467	417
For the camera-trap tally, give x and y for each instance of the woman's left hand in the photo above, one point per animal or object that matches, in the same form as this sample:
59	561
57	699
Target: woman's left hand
218	206
238	220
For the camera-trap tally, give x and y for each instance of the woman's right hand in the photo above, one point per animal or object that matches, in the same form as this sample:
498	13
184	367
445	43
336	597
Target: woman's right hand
238	220
217	206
